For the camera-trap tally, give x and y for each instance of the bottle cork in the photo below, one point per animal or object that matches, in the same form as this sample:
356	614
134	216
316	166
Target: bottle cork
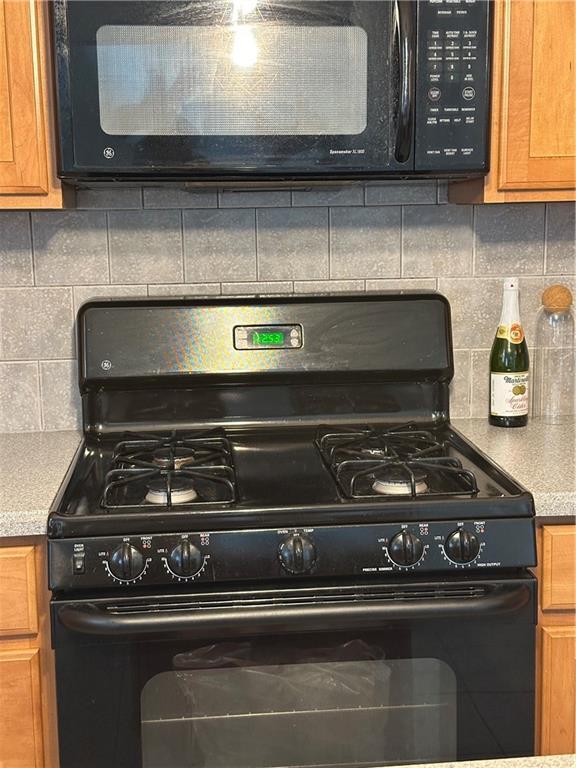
557	298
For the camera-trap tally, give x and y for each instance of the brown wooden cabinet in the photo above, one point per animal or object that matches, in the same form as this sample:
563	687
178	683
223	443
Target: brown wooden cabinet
27	141
533	125
27	699
557	640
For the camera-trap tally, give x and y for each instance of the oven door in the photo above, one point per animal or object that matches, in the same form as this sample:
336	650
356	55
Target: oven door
363	675
230	88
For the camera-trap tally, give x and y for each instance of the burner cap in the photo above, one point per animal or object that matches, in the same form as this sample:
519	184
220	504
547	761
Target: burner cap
395	481
182	491
173	458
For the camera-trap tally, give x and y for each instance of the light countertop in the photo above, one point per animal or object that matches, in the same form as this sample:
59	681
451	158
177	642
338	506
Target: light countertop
552	761
541	457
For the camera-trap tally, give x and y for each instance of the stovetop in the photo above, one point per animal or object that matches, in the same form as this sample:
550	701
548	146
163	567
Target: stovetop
139	482
272	439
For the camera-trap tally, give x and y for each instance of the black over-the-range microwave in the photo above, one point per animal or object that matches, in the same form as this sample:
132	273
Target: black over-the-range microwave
272	90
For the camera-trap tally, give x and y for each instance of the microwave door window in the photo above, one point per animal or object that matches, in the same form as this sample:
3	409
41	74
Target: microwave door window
236	80
173	88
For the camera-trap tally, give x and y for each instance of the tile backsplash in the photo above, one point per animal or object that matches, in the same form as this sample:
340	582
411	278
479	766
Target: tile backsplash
172	241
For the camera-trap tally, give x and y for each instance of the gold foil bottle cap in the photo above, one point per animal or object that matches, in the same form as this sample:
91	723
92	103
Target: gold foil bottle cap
557	298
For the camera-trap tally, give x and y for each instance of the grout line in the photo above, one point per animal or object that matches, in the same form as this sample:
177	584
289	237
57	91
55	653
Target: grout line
32	248
473	241
40	397
142	197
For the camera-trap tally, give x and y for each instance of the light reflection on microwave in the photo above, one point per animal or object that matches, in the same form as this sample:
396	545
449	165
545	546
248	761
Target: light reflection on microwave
244	47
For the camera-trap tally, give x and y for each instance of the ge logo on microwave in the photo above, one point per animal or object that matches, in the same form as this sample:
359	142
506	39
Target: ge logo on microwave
108	153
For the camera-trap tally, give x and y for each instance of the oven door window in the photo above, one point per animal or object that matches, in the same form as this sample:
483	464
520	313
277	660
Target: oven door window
337	713
233	86
236	80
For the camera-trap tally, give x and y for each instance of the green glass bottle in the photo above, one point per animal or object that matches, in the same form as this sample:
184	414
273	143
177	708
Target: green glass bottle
509	365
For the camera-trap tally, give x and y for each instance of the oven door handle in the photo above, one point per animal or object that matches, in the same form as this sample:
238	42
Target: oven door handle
404	21
273	618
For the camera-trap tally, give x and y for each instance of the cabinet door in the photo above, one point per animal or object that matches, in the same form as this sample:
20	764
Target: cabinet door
538	140
18	612
26	156
20	705
558	690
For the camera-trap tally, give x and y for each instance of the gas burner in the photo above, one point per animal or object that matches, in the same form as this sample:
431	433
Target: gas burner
173	451
402	442
182	491
169	470
396	480
173	458
402	461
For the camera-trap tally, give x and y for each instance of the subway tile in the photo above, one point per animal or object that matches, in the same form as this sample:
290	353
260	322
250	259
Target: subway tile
436	240
15	249
19	401
292	243
70	247
365	242
401	193
145	246
253	198
329	286
36	323
460	385
175	197
60	398
84	293
260	288
442	193
219	245
185	289
476	305
106	198
352	194
402	284
560	239
509	239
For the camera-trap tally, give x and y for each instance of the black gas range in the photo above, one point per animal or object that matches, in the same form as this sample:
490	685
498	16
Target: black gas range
266	468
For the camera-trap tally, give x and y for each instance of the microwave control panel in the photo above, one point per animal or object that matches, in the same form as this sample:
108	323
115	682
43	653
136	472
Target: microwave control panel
452	85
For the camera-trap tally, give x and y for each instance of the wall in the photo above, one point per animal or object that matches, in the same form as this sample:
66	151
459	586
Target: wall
165	241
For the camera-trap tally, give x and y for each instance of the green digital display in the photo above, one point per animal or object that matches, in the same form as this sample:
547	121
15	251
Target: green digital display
268	338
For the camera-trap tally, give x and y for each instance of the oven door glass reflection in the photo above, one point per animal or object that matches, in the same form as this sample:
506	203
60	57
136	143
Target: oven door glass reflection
309	714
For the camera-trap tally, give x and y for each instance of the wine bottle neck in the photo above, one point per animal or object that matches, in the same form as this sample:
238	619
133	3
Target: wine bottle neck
510	307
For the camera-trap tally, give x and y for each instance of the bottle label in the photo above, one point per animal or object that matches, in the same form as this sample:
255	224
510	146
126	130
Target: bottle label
513	333
509	394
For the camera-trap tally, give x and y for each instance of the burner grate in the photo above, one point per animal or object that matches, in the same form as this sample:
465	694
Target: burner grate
163	471
402	461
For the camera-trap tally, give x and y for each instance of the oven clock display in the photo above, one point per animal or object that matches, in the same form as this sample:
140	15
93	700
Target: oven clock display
268	337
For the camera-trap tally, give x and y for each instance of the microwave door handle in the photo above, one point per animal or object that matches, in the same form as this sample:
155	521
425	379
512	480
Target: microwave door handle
93	619
405	22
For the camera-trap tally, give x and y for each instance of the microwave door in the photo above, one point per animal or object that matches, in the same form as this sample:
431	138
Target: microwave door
236	88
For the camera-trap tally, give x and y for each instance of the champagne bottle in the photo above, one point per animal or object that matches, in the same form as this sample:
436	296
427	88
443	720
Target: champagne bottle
509	365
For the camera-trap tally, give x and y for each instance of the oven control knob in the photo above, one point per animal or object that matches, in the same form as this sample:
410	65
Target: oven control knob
126	562
462	546
297	553
185	559
405	548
